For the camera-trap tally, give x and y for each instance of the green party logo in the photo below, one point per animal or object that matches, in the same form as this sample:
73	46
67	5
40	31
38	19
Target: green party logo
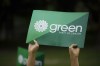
22	60
58	28
42	25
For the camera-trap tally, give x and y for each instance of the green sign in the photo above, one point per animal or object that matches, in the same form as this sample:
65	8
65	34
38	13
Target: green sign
23	56
58	28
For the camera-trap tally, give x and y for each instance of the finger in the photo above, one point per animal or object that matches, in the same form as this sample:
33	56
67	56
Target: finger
71	46
36	43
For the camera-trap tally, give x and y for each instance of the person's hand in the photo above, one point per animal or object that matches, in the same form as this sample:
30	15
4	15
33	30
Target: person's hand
74	50
32	48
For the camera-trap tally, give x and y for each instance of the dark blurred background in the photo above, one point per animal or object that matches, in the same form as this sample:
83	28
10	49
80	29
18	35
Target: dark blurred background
15	16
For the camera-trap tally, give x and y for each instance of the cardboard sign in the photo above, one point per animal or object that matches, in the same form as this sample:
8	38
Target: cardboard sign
58	28
23	56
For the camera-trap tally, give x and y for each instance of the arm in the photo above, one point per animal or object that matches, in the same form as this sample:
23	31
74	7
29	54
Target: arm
31	53
74	53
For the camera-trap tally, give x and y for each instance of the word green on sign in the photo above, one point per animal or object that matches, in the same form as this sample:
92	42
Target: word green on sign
64	28
58	28
23	56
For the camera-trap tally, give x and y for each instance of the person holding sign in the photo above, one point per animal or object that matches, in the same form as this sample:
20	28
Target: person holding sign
73	51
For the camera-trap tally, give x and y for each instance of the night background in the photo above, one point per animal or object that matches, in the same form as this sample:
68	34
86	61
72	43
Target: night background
15	16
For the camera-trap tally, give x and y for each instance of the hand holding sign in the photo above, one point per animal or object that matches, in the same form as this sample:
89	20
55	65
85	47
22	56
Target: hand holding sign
74	50
33	48
74	53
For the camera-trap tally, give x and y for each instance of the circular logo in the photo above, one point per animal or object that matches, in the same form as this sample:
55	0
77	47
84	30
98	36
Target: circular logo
40	25
20	59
